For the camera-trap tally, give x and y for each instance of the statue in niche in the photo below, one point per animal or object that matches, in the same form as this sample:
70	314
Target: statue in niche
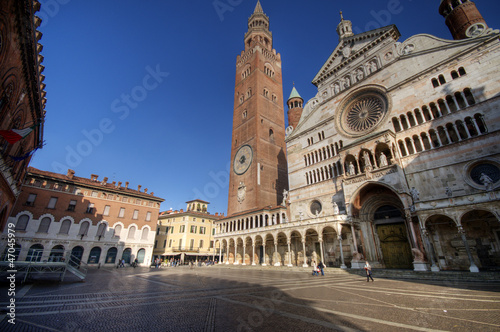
336	88
382	160
486	180
335	209
372	66
360	75
285	197
366	158
415	194
347	81
352	170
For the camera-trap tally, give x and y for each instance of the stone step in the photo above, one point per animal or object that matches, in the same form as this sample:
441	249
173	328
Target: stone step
493	276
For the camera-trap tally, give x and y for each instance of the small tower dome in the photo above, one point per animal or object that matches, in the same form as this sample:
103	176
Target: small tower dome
295	106
344	29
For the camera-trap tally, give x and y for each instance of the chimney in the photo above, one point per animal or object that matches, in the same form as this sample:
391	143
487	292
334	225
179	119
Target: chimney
104	181
152	193
146	190
114	183
126	185
93	177
70	174
139	188
119	184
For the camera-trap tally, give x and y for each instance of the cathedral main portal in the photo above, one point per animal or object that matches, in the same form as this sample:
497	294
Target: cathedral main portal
395	246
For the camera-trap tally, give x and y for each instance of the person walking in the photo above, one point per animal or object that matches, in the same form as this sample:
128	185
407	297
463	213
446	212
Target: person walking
321	266
368	270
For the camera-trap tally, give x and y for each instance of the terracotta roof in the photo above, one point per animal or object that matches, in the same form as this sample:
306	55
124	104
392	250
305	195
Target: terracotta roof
89	182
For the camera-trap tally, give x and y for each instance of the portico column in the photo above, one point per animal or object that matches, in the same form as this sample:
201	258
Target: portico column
278	263
430	250
304	264
220	253
264	253
289	254
253	254
354	241
320	240
227	254
473	267
243	259
341	252
235	253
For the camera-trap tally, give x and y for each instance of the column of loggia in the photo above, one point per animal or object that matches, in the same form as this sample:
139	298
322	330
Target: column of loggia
304	264
278	263
320	240
288	241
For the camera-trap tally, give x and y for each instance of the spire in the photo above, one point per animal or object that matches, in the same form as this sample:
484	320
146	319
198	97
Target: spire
258	8
294	94
258	29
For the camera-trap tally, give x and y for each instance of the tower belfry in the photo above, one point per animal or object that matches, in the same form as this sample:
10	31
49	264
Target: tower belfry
462	18
258	174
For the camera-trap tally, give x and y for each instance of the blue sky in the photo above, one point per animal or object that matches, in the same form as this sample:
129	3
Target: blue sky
142	91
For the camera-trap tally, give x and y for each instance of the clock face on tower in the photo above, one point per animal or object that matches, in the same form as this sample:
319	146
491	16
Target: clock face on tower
243	159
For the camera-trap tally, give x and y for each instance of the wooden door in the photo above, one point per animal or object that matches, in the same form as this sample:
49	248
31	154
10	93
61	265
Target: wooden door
395	246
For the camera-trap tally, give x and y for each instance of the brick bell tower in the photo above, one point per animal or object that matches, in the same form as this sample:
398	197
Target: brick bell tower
462	18
258	172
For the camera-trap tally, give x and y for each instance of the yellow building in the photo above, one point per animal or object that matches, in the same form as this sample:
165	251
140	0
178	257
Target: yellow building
187	236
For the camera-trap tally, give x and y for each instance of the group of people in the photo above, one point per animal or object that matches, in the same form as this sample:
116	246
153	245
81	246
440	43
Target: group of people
318	268
121	263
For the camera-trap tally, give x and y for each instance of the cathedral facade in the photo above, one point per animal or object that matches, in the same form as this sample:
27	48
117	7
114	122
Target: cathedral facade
395	160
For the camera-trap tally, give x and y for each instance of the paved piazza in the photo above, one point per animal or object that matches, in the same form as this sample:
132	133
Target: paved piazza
249	299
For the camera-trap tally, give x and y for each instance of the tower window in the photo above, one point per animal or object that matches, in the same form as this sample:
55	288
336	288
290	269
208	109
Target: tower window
271	135
244	115
268	70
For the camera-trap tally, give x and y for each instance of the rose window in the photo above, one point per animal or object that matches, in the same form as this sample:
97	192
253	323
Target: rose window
362	112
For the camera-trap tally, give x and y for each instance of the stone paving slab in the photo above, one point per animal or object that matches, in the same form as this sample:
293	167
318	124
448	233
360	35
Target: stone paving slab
239	299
